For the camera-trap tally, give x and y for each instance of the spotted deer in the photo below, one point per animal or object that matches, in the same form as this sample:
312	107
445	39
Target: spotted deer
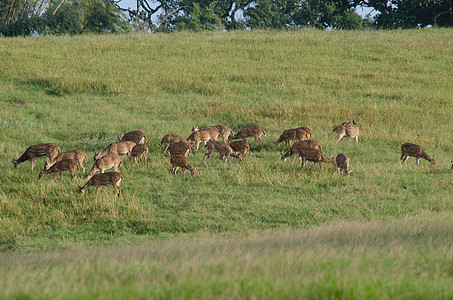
33	152
106	162
98	180
297	148
241	147
181	148
254	130
77	155
136	136
417	151
348	130
342	162
170	139
139	152
224	150
180	161
292	134
307	130
314	155
205	135
63	165
120	148
225	131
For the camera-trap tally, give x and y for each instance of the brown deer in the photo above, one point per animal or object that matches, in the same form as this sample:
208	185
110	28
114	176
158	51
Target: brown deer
254	130
298	147
224	150
241	147
307	130
50	150
181	148
120	148
77	155
169	139
205	135
417	151
292	134
139	151
342	162
136	136
104	163
225	131
98	180
348	130
63	165
314	155
180	161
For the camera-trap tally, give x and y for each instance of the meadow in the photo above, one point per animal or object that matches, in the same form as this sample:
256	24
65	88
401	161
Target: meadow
264	228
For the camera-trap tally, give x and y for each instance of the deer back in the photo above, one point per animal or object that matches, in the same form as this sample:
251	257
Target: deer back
78	155
203	135
139	149
351	130
342	161
180	148
108	161
313	155
136	136
179	161
171	139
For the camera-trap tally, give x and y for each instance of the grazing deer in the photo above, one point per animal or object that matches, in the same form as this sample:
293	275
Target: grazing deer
77	155
254	130
224	150
139	151
292	134
169	139
307	130
111	178
181	148
63	165
298	147
417	151
348	130
180	161
104	163
120	148
225	131
314	155
342	162
241	147
50	150
136	136
205	135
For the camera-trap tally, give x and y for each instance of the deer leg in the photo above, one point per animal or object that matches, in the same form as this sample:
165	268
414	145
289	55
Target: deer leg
294	158
183	172
61	175
339	171
418	161
303	162
339	136
357	139
33	162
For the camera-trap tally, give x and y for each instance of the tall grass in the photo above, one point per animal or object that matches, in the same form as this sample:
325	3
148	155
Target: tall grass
82	92
405	259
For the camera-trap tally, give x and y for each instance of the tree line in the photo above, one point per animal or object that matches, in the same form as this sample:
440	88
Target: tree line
38	17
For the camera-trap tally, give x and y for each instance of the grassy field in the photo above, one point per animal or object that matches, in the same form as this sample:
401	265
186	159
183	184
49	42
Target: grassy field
83	92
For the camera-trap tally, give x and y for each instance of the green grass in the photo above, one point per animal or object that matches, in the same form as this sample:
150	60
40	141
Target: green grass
83	92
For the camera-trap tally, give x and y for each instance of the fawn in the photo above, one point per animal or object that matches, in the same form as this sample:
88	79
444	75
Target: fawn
224	150
63	165
136	136
417	151
205	135
50	150
181	148
104	163
180	161
241	147
348	130
139	151
77	155
254	130
98	180
170	139
120	148
297	148
342	162
314	155
225	131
